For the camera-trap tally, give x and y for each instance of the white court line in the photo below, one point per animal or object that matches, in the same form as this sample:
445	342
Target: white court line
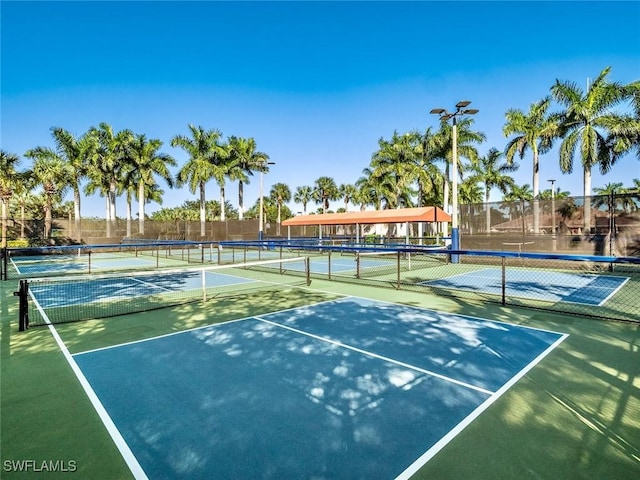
440	444
116	436
380	357
615	290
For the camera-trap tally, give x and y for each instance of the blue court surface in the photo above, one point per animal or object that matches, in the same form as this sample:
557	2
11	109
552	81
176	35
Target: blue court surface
344	389
82	292
74	265
542	285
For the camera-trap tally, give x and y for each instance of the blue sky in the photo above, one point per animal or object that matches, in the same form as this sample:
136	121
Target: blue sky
315	83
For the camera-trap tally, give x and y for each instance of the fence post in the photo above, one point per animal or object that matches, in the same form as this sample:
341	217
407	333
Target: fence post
504	280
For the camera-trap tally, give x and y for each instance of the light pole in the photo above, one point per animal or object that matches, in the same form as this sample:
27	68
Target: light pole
261	214
553	215
444	115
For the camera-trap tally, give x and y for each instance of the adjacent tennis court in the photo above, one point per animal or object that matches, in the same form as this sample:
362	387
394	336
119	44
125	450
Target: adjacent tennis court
587	289
351	388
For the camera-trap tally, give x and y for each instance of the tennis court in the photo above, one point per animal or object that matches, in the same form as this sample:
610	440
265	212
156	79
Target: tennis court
586	289
216	402
250	371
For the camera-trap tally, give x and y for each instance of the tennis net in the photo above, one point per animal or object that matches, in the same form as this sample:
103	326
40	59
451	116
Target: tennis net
71	299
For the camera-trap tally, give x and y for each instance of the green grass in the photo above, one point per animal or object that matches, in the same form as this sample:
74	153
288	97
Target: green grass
576	415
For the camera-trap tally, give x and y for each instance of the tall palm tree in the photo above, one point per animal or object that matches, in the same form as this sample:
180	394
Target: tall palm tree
493	174
10	178
585	125
280	194
443	148
109	152
424	169
145	162
77	153
245	160
203	150
49	171
303	195
535	131
324	191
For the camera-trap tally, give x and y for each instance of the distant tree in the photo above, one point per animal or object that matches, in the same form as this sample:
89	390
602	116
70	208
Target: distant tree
325	190
244	160
493	174
303	195
347	192
203	149
145	163
10	178
280	194
50	172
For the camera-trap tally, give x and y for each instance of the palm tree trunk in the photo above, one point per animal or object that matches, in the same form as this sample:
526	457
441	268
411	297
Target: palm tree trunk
278	222
202	210
587	200
222	216
487	209
47	217
536	191
106	216
128	214
240	200
76	212
141	201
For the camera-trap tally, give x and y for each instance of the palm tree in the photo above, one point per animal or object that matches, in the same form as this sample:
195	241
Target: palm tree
391	168
519	194
280	194
77	153
144	163
325	190
303	195
106	165
368	191
347	192
534	130
23	197
203	150
49	171
428	177
585	125
10	178
245	160
492	174
443	148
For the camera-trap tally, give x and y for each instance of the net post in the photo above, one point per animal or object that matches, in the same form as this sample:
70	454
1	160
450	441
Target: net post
329	266
398	270
204	285
23	310
357	264
89	260
201	247
504	280
220	254
307	267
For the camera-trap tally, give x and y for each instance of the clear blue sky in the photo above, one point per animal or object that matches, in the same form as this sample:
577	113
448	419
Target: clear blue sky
315	83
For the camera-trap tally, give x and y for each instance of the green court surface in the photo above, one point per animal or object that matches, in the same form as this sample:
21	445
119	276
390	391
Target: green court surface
575	415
